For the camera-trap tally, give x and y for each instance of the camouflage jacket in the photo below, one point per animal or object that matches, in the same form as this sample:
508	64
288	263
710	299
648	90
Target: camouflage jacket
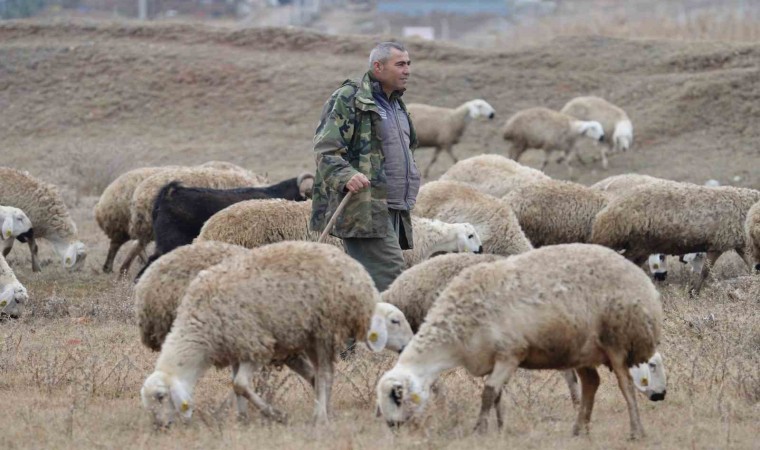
346	143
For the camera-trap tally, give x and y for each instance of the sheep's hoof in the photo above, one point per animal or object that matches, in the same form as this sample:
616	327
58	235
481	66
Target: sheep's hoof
636	435
481	427
277	415
580	429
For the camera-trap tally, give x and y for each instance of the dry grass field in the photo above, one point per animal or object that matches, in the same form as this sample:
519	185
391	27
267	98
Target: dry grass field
82	102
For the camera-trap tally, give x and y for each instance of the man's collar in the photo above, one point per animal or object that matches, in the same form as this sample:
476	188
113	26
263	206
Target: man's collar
376	86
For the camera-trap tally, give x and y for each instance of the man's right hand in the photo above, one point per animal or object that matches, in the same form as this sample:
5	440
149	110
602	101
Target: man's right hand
357	183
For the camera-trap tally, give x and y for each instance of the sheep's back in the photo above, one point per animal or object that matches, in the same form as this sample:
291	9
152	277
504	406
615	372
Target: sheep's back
538	127
492	174
598	109
277	301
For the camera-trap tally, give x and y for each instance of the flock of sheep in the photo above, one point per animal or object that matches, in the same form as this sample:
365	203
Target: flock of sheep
539	273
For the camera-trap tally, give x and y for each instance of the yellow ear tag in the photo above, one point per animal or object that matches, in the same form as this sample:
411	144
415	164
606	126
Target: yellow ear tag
68	260
185	406
416	399
8	233
3	303
645	381
373	336
467	249
656	266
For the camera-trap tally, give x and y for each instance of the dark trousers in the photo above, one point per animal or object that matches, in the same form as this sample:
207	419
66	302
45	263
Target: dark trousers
381	257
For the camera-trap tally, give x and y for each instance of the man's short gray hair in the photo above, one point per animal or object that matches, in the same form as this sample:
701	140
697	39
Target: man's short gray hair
382	52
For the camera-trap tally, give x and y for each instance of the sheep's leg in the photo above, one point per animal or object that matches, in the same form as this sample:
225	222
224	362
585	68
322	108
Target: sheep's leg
502	372
449	149
432	161
710	260
322	358
545	161
603	152
113	248
626	387
7	246
240	402
133	252
572	385
33	249
303	367
143	256
590	382
499	409
242	387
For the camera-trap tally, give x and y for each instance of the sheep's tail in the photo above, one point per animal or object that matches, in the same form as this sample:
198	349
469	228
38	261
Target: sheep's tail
165	193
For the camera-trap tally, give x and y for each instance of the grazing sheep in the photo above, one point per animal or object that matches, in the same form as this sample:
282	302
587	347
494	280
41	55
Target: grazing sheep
492	174
752	231
179	212
675	220
12	293
615	122
260	308
255	223
112	209
571	306
141	205
415	290
443	127
555	212
492	218
548	130
44	206
13	223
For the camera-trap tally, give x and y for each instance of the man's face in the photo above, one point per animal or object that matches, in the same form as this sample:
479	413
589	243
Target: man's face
394	74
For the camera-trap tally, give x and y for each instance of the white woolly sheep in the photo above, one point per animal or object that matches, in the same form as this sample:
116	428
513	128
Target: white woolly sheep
492	174
254	223
259	308
555	211
44	206
548	130
675	220
159	291
752	231
141	205
615	122
13	294
13	223
443	127
558	307
492	217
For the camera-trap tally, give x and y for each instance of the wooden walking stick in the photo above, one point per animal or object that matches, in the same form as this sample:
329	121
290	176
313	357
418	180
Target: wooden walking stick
334	217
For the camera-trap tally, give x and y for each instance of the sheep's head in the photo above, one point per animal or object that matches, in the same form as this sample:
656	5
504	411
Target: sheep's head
74	256
12	299
694	260
622	136
468	239
16	222
389	329
480	108
593	130
650	379
305	183
166	398
400	396
658	266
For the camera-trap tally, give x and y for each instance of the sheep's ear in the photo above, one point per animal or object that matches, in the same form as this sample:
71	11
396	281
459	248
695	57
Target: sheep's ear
378	334
7	227
181	399
70	257
6	296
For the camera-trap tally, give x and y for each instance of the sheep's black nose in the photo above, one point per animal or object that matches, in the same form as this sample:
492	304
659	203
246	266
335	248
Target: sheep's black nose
660	276
658	396
480	250
490	116
393	424
601	138
757	267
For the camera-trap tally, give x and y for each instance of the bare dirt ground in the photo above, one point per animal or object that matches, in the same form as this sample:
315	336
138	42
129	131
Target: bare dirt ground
82	102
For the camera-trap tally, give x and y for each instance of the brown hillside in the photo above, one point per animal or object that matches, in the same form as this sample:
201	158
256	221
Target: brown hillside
129	95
